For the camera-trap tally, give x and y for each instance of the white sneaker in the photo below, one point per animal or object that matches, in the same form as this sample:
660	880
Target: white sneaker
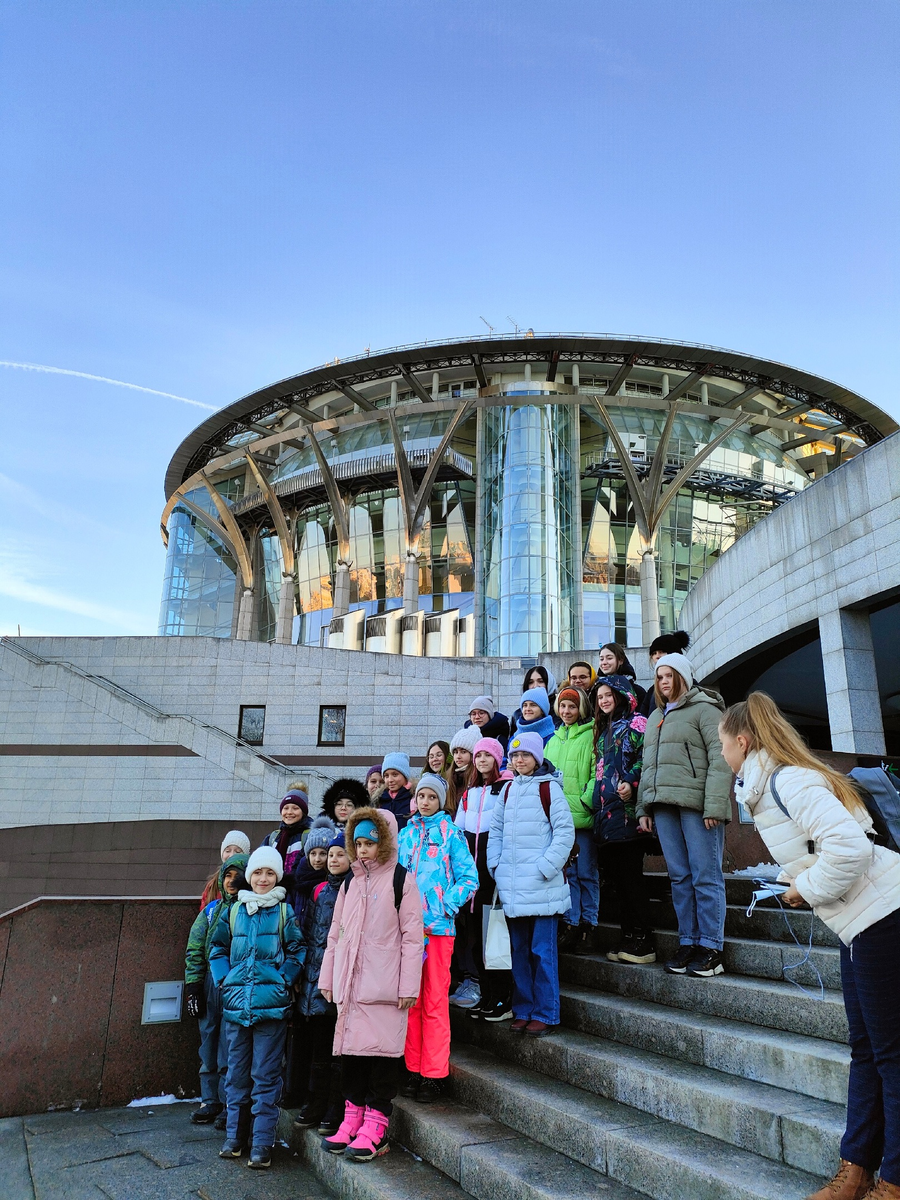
467	996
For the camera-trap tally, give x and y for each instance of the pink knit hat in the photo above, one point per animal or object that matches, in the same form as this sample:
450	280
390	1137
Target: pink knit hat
493	747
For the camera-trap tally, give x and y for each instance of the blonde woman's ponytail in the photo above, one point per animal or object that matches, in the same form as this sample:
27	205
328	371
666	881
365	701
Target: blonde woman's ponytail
759	719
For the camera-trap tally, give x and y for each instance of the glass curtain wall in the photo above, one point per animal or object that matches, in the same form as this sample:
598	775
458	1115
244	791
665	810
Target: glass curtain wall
528	476
378	551
200	576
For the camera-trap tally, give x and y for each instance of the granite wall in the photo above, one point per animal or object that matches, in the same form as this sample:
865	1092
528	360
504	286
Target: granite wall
72	975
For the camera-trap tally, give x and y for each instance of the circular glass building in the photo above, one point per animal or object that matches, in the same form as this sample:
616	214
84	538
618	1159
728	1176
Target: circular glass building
497	496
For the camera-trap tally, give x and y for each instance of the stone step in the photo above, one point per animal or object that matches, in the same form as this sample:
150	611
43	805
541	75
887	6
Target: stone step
397	1175
780	1125
653	1156
446	1151
750	956
758	1001
768	922
791	1061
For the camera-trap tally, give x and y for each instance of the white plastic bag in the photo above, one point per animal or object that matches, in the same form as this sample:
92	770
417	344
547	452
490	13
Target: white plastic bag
497	953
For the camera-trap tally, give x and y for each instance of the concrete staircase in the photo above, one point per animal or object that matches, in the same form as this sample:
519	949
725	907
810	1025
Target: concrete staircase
676	1088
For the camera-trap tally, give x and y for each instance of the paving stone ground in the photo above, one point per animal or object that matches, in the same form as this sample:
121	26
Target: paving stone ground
136	1154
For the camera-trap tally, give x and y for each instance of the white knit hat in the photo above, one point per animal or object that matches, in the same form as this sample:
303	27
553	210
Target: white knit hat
679	663
234	837
265	856
466	738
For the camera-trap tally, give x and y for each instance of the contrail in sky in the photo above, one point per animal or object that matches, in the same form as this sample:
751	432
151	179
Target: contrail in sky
102	379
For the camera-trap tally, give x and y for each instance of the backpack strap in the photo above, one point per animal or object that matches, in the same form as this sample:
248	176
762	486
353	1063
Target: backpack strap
544	789
346	884
774	790
399	880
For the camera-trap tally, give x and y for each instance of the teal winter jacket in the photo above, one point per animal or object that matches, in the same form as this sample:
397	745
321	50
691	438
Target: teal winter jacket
258	963
436	852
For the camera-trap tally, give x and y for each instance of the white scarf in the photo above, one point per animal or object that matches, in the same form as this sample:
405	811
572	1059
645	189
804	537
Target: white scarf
253	900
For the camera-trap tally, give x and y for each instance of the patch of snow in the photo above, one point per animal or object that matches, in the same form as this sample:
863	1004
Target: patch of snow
760	871
159	1101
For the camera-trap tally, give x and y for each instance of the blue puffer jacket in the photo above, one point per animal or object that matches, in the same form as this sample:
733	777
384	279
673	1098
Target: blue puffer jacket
526	853
435	851
258	963
316	924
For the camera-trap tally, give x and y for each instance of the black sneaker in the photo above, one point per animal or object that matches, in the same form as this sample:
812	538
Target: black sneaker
232	1149
206	1113
410	1089
585	939
221	1121
307	1117
638	950
429	1091
567	937
501	1011
260	1158
706	963
679	964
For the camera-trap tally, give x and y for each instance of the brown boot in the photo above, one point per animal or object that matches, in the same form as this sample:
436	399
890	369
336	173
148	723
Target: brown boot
884	1191
850	1183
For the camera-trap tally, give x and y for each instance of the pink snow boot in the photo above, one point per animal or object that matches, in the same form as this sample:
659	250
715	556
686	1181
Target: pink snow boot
354	1114
372	1138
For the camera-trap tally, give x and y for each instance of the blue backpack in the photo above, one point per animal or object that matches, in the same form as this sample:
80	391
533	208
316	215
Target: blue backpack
881	798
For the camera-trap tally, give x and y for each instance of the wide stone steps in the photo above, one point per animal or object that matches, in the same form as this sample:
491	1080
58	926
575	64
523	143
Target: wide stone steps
766	1002
794	1062
781	1125
753	956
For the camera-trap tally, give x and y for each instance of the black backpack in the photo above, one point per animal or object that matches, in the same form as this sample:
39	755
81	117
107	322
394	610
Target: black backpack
399	879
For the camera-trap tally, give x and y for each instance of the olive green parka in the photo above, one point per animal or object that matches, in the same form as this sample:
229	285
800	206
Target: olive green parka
683	763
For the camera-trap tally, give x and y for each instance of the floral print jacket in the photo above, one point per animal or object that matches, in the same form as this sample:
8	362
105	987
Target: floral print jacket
436	852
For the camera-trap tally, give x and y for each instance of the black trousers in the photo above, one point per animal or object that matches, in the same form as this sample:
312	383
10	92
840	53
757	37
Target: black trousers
324	1069
371	1081
622	864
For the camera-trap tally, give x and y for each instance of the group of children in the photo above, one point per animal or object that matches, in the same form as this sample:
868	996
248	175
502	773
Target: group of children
347	929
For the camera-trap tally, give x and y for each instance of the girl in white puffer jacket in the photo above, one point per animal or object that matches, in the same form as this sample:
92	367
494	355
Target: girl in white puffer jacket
817	828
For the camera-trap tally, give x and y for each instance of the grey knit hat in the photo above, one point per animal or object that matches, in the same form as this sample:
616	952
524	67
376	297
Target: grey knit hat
320	836
437	784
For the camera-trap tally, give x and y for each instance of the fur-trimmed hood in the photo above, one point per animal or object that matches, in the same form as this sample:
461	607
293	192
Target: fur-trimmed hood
386	824
352	789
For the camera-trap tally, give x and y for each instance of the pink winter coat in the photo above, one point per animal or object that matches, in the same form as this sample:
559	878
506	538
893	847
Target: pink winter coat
374	951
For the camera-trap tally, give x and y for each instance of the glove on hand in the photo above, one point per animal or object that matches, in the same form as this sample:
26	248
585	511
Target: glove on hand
196	1001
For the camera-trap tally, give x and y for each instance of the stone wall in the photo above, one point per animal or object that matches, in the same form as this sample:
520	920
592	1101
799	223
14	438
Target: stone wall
72	975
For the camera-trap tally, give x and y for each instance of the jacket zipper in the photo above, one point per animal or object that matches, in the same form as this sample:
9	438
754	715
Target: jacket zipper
690	760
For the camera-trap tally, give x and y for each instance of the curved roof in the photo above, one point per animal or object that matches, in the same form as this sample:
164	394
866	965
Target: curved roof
481	354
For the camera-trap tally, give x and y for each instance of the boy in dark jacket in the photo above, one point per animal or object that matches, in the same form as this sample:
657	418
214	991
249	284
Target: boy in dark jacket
256	956
203	998
317	1017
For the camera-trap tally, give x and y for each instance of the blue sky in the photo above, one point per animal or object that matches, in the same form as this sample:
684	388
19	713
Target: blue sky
201	198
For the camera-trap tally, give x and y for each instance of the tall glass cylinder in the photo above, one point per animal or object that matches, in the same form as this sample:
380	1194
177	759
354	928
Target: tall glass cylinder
530	563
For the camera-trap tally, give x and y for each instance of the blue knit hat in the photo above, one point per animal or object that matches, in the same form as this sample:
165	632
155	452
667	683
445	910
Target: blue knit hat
338	840
531	743
366	828
320	835
539	697
397	761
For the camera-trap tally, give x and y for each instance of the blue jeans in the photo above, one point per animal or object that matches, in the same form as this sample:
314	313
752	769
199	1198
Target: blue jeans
694	861
584	881
532	941
254	1074
870	977
213	1050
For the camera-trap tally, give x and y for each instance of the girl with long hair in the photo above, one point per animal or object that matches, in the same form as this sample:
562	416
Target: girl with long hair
818	829
618	750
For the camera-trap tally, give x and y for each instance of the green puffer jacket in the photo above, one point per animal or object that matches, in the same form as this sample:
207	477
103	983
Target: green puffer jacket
683	763
196	958
571	750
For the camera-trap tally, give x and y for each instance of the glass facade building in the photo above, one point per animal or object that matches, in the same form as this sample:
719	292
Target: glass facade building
528	526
